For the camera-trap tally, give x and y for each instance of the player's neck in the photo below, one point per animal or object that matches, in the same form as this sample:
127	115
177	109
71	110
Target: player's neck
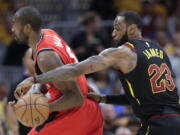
137	35
34	40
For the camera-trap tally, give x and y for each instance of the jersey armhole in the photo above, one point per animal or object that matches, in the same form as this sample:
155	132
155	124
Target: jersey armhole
130	45
44	49
50	49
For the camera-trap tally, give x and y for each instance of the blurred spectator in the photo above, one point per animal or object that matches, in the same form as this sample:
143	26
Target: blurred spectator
123	131
175	59
159	23
106	81
14	54
3	100
91	40
2	52
174	19
162	38
109	116
134	125
147	17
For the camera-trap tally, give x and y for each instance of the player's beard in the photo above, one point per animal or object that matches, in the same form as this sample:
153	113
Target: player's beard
23	39
123	40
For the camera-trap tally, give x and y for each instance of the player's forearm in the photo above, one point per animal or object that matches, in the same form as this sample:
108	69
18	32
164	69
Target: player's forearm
64	73
72	71
67	101
12	120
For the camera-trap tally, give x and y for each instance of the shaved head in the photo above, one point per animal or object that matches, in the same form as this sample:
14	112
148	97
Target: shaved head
29	15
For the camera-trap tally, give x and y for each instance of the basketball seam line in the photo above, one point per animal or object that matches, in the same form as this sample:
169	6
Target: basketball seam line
39	112
25	109
31	112
37	108
30	105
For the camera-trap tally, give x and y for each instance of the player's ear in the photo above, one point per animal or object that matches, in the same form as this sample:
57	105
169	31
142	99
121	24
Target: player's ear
27	28
131	29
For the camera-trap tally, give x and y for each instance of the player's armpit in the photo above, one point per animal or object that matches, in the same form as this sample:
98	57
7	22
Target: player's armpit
72	96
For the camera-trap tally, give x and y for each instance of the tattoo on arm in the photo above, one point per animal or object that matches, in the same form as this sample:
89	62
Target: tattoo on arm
71	71
95	62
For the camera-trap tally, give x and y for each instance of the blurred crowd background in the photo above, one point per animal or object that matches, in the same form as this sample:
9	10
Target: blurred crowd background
86	25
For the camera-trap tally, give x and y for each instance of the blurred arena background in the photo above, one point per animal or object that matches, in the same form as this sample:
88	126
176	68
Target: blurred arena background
86	25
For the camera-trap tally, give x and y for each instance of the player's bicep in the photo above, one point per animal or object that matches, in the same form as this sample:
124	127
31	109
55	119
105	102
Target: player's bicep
107	58
49	60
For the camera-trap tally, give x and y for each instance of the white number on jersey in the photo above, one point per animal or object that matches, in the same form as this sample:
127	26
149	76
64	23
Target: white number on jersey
58	42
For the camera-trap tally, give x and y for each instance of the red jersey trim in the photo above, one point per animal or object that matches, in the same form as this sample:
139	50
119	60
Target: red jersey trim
44	49
131	46
164	115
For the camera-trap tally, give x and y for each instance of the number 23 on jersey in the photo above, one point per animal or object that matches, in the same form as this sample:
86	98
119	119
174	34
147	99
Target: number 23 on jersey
160	78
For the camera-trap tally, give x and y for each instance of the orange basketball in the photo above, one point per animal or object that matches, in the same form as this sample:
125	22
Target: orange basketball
32	109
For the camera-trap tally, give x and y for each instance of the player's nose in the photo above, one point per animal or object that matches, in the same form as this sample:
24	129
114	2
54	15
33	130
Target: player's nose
113	34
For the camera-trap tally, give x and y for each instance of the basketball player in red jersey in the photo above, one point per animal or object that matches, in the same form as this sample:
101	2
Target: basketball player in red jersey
72	113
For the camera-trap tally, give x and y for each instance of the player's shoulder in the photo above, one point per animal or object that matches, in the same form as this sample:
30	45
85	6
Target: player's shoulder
122	50
50	37
142	43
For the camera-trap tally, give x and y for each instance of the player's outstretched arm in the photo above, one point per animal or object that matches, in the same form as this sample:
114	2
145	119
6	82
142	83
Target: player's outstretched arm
122	58
107	58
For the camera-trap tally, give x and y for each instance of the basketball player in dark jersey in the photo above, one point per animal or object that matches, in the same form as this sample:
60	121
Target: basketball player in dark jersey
145	73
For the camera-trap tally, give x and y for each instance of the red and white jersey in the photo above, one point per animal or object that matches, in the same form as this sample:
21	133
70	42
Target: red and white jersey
52	41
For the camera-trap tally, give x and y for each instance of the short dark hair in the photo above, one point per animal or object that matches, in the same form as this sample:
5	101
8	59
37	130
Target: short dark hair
132	17
30	15
88	18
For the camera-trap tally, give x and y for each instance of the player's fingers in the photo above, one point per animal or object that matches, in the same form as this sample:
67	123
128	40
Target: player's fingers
12	103
18	93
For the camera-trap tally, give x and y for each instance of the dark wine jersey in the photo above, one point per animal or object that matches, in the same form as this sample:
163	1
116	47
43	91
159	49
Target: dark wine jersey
150	87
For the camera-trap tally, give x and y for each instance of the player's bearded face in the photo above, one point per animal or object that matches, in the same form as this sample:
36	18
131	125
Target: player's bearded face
18	33
21	37
119	33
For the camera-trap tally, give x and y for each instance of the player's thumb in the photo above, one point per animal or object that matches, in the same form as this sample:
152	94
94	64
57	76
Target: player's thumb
11	103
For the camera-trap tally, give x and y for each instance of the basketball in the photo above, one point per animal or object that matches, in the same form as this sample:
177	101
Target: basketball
32	109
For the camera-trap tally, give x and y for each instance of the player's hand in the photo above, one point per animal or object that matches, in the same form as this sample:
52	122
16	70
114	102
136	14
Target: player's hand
12	103
23	87
97	97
